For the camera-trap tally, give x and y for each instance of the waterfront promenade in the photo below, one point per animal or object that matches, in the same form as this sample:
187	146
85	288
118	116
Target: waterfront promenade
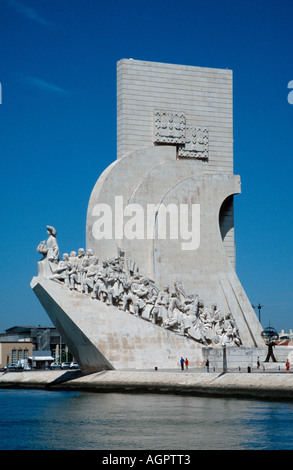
272	383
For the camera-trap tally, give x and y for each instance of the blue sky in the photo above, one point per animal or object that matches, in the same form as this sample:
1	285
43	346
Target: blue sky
58	126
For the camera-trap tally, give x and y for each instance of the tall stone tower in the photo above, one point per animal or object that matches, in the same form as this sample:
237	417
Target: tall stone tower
175	161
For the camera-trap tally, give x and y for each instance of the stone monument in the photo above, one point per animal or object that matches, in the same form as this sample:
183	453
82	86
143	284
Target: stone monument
157	280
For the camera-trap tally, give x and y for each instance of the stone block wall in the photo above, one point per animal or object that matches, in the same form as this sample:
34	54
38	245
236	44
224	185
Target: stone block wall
203	94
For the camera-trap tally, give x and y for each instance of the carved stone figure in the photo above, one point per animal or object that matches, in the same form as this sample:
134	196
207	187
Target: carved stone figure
78	273
112	287
73	258
174	303
174	315
160	313
50	251
230	332
100	290
127	298
121	281
88	280
90	255
145	294
62	270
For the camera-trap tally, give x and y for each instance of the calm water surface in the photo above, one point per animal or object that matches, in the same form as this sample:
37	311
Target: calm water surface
41	420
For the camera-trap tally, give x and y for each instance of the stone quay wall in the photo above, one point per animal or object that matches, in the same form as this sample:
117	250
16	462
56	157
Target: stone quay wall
277	385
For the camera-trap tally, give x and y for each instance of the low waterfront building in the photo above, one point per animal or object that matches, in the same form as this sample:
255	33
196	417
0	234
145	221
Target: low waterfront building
44	341
15	352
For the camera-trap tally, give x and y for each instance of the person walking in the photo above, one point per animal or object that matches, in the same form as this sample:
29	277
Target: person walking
258	362
186	363
287	365
182	363
208	365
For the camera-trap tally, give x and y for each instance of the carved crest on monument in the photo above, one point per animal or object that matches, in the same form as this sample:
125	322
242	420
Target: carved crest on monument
170	128
196	143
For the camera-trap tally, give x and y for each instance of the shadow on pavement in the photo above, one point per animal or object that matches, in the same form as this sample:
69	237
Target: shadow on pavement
67	376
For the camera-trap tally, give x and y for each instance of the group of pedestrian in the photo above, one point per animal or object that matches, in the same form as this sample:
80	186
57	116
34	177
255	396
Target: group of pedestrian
287	364
184	362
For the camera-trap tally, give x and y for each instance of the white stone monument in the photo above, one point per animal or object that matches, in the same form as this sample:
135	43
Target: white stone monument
160	215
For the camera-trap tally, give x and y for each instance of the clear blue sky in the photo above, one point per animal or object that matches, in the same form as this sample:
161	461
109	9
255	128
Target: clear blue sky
58	126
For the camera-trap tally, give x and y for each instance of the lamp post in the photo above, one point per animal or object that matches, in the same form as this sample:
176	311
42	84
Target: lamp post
224	358
60	353
259	309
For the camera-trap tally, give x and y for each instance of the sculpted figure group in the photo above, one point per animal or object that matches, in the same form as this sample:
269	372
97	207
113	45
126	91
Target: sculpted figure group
120	284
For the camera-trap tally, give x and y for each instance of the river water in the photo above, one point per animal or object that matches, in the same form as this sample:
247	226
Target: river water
69	420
